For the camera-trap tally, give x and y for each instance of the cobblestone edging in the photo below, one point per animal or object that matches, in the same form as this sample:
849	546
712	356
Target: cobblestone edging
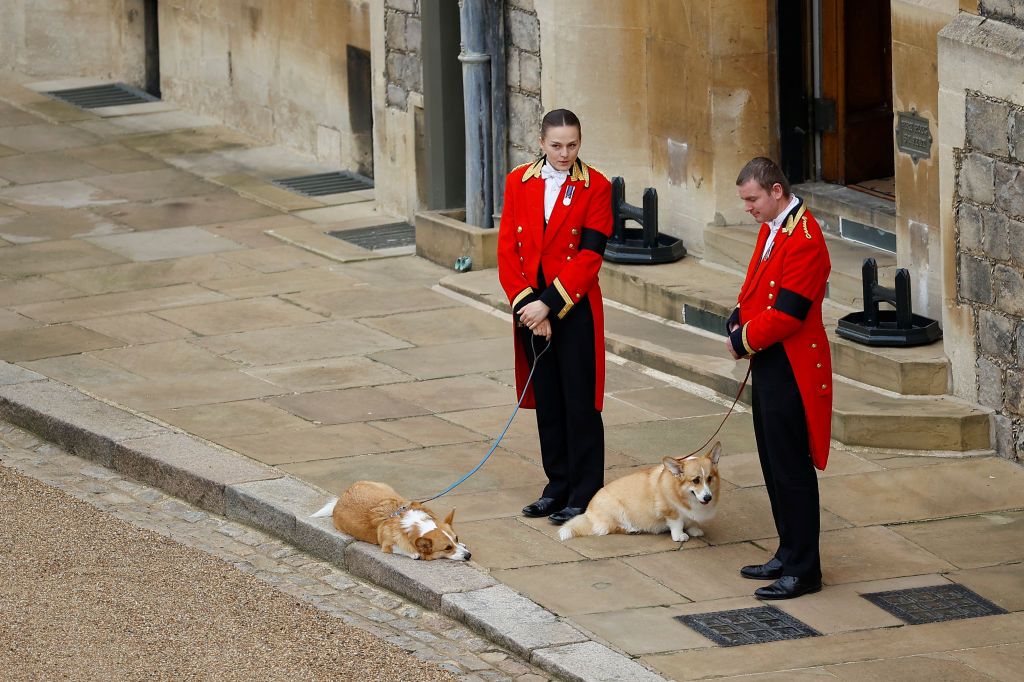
225	483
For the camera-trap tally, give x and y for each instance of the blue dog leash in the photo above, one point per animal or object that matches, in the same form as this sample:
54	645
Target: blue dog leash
459	482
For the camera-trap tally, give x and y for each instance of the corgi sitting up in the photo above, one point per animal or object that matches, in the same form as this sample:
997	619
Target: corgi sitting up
676	495
373	512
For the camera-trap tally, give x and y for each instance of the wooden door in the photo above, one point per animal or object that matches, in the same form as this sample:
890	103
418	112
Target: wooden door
856	75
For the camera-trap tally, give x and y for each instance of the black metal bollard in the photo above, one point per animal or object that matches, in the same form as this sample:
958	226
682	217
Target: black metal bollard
899	327
645	245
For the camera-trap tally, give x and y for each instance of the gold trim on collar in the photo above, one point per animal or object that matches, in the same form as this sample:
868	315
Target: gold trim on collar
534	170
580	171
792	220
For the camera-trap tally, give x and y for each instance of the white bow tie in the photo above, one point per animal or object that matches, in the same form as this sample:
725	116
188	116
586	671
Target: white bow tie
549	172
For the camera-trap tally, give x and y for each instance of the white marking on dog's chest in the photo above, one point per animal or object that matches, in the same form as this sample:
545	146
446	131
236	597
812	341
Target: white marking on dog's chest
418	519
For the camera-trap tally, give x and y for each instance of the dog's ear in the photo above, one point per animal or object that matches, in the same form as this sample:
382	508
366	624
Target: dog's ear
424	545
451	517
672	465
716	452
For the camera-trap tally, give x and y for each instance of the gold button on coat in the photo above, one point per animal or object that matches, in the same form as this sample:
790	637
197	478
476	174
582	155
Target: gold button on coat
823	387
770	296
519	229
568	258
814	345
771	283
575	231
571	245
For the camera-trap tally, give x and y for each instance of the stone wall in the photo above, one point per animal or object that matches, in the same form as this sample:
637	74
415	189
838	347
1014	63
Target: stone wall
990	233
403	65
64	38
523	65
277	70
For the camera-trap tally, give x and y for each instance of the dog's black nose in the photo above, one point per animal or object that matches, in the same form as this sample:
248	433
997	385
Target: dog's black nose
469	555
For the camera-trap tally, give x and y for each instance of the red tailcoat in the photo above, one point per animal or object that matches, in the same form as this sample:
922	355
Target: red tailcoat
569	250
781	302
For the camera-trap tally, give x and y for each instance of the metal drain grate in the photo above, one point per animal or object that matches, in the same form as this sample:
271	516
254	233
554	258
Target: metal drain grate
748	626
379	236
934	604
109	95
320	184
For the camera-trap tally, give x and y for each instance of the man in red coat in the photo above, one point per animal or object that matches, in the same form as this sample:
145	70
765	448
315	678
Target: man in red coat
777	325
554	226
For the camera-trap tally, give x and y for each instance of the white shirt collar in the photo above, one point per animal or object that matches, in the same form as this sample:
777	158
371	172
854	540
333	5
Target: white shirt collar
776	223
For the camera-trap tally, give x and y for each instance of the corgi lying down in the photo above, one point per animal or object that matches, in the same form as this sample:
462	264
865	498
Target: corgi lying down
373	512
676	495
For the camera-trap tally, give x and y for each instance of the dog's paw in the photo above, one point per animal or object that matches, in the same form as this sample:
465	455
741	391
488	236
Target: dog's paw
695	532
680	536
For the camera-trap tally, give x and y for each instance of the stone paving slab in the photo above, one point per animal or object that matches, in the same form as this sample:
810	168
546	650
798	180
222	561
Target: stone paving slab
148	185
212	207
54	256
329	373
49	196
120	303
114	157
163	244
239	418
152	274
35	227
44	167
49	341
846	647
295	344
239	316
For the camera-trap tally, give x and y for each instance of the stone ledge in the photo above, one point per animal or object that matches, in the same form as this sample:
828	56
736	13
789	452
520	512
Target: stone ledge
282	506
590	661
81	425
442	237
13	374
425	582
186	467
504	616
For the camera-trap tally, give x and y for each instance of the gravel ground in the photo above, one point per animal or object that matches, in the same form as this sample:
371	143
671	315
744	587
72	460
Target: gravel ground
102	578
87	596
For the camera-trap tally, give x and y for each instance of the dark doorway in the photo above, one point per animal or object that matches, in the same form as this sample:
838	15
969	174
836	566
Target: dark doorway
360	107
444	118
835	90
151	29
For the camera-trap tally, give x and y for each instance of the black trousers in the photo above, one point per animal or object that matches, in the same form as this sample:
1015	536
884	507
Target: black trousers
570	427
780	428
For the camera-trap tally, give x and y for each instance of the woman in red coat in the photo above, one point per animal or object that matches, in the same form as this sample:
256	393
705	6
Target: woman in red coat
554	226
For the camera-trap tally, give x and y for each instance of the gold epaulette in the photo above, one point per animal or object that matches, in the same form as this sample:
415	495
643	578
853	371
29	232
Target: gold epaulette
580	172
534	170
792	220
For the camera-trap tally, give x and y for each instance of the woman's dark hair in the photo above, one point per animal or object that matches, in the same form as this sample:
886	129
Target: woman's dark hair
766	172
559	117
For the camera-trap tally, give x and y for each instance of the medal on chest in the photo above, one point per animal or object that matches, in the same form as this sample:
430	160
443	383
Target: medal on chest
567	199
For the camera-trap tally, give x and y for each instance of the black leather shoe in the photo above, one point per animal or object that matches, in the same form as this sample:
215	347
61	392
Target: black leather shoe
542	507
560	517
788	587
768	571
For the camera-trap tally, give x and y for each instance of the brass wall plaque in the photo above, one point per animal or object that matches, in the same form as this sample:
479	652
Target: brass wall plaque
913	135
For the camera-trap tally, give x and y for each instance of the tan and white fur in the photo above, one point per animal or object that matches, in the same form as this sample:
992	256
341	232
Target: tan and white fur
373	512
676	495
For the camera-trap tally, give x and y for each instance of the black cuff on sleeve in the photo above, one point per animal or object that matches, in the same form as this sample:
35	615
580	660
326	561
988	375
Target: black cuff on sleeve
553	299
736	339
733	319
529	298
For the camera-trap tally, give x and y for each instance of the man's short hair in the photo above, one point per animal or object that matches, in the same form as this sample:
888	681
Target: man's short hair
766	172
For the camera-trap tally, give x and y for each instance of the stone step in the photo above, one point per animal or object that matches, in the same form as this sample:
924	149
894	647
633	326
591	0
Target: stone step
731	247
852	214
861	417
702	295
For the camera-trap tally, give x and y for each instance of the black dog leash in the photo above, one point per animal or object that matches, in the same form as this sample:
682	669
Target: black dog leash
735	400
